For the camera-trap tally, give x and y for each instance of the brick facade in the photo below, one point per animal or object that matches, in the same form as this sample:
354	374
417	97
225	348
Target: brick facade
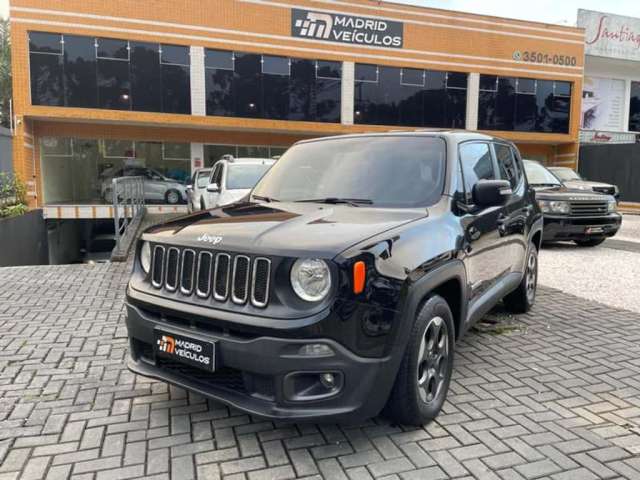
433	39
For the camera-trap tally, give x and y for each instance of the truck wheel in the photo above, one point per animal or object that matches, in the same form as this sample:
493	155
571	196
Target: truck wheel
172	197
421	385
522	298
591	242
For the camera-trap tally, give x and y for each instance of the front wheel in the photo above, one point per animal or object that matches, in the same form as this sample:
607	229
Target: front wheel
522	298
421	385
591	242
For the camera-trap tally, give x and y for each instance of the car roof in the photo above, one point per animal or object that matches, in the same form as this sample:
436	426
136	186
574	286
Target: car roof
250	160
457	135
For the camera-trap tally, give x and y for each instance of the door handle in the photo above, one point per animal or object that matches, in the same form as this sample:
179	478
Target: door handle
502	218
527	210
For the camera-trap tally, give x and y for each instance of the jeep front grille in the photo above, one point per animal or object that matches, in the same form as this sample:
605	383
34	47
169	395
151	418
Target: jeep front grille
215	275
589	208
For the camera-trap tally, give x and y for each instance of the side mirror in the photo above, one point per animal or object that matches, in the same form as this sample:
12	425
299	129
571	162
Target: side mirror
189	187
213	188
491	193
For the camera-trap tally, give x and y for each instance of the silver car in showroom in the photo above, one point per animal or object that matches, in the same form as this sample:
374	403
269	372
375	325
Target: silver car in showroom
157	187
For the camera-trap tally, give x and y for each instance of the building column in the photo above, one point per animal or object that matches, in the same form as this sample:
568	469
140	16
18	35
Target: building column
198	90
347	88
197	156
473	97
626	105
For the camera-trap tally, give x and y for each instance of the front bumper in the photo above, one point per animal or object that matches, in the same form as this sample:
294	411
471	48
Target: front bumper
253	373
564	227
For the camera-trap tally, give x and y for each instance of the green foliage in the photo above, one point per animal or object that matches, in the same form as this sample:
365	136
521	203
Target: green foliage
5	73
12	196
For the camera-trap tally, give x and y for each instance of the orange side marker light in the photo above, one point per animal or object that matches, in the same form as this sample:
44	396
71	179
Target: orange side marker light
359	276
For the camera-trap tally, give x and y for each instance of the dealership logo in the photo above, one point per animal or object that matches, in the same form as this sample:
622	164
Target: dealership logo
346	29
212	239
166	344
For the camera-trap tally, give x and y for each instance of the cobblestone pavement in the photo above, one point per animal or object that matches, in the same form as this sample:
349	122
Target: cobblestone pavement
553	394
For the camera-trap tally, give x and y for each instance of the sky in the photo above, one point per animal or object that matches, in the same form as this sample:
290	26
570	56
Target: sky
562	12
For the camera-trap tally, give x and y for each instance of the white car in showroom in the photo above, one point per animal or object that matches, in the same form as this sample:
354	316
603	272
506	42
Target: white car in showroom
197	189
157	187
233	178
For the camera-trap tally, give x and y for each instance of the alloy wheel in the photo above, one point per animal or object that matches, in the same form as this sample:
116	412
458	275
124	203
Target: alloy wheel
433	359
531	278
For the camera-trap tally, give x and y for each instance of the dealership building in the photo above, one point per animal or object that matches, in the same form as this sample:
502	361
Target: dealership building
610	113
102	86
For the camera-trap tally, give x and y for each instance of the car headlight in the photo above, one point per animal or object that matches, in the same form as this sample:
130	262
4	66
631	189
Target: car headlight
612	206
311	279
554	206
145	257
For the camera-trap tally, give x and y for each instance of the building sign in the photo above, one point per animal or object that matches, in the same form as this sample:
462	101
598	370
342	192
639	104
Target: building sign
603	104
334	27
595	136
609	35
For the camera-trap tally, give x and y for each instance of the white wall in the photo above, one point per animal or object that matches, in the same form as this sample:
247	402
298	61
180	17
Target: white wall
617	69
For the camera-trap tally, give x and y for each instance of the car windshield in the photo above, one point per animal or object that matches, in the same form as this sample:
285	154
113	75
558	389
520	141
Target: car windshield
244	176
391	171
203	179
538	175
565	174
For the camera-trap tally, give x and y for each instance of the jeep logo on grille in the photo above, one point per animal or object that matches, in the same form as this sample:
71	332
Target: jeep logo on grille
211	239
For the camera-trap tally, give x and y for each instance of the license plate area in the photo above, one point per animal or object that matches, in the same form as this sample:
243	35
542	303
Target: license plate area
592	230
185	349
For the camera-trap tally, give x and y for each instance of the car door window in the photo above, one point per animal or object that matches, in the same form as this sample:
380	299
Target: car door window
477	164
507	165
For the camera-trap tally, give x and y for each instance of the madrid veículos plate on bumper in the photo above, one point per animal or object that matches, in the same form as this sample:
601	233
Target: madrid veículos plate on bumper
267	376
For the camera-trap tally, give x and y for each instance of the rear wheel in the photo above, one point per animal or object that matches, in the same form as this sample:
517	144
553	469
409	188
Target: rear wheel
590	242
423	379
172	197
522	298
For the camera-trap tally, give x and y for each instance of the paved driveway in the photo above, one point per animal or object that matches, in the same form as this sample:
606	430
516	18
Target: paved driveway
553	394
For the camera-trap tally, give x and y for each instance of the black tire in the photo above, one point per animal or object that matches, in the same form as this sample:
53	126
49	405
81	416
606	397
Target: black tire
172	197
591	242
423	378
522	298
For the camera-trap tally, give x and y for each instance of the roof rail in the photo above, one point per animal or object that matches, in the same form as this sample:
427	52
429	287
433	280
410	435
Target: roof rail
228	157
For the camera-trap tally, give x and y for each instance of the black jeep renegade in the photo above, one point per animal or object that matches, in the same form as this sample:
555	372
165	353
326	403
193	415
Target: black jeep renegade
340	285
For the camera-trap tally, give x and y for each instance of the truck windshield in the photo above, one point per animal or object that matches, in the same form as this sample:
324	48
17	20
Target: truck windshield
538	175
245	176
565	174
388	171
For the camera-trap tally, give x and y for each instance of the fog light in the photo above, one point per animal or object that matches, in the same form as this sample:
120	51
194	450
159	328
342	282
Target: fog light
328	380
316	350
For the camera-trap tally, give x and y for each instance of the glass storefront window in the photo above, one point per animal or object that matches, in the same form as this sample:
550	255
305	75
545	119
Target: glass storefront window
80	171
213	153
409	97
524	104
115	74
264	86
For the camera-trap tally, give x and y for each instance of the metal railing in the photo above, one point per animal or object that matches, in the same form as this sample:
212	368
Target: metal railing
128	208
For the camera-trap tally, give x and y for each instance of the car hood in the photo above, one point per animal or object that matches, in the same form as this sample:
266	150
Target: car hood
290	229
576	184
563	192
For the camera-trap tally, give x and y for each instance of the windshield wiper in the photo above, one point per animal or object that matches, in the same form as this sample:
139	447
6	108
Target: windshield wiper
265	199
354	202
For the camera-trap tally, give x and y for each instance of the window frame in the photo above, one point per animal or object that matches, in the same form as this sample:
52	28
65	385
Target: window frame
97	45
320	77
424	77
535	86
446	81
468	196
376	81
172	63
288	59
233	60
520	172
